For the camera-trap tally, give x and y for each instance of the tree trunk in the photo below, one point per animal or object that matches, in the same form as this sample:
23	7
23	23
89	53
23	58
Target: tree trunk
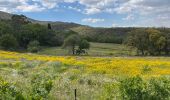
73	49
142	52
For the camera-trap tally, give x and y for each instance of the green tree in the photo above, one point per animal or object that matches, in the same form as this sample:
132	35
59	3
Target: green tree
37	32
72	41
49	26
5	28
161	43
34	46
139	39
8	42
156	41
84	44
151	41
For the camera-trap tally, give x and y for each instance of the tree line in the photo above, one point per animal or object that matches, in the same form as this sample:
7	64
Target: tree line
19	34
150	41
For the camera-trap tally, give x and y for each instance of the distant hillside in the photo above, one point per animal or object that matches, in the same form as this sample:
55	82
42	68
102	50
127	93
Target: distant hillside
105	35
113	35
5	16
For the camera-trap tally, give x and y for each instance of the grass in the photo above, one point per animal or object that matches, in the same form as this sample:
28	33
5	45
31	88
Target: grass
56	77
96	49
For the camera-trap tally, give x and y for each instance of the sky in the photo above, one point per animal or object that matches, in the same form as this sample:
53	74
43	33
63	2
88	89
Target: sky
97	13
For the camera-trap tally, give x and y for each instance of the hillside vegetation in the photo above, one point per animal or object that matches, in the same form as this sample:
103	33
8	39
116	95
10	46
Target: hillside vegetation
93	34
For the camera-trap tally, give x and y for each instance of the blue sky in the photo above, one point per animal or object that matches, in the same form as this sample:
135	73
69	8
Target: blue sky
97	13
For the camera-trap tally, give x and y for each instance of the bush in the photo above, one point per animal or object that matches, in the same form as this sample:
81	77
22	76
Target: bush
41	87
138	89
34	46
8	91
8	42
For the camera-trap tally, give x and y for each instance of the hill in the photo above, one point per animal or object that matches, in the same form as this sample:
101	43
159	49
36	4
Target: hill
91	33
5	16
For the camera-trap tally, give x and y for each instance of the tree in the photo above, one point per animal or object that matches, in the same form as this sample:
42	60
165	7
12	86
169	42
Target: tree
34	46
84	44
161	43
139	39
5	28
156	41
72	41
49	26
8	42
37	32
151	41
18	21
57	40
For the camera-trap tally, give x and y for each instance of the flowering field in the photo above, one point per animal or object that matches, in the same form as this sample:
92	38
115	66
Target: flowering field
56	77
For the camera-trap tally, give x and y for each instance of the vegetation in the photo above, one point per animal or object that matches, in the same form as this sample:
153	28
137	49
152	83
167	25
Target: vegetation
36	77
72	41
96	49
34	46
75	40
138	89
8	42
92	34
26	76
149	41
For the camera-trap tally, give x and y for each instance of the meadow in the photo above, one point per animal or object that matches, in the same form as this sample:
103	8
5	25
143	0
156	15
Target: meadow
40	77
96	49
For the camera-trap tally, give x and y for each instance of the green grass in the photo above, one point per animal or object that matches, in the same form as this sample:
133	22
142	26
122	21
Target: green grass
96	49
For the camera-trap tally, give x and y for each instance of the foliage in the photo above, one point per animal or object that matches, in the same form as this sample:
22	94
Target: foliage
98	78
8	42
8	91
72	41
137	89
41	87
34	46
24	31
150	41
84	44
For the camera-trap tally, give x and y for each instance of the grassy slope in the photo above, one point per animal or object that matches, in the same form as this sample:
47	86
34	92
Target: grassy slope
97	49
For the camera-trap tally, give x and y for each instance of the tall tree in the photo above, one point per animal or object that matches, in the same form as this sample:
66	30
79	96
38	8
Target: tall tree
138	39
49	26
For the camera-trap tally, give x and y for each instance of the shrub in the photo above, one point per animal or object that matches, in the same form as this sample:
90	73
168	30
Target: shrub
8	91
137	89
41	87
34	46
132	88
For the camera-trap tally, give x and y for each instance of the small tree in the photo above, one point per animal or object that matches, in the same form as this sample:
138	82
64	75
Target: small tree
8	42
72	41
34	46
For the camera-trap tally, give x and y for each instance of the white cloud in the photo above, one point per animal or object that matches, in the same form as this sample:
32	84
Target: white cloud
92	20
154	11
129	17
74	8
30	8
92	11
